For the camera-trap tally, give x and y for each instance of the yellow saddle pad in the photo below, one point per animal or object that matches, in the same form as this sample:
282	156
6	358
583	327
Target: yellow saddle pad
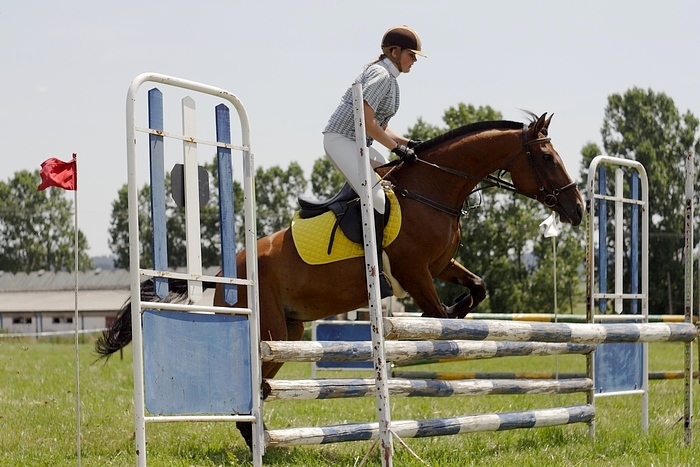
311	236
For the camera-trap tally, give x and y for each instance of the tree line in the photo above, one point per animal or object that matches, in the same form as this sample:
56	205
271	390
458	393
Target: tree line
501	237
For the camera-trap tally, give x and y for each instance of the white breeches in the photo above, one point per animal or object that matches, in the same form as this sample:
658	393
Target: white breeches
342	151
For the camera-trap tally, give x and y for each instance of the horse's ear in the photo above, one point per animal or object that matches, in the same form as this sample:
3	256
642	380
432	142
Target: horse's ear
548	121
541	123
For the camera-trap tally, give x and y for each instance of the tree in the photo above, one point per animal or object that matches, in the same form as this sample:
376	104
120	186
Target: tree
647	127
570	251
37	228
326	180
454	117
277	191
119	227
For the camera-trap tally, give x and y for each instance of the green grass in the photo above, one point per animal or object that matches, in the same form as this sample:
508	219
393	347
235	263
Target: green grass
37	419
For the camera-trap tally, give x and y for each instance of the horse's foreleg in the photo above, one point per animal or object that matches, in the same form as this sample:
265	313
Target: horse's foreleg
455	273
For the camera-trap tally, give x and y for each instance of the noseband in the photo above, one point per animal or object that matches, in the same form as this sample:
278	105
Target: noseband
550	199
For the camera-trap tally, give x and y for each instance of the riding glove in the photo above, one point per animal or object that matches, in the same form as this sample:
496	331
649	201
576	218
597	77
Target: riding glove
404	153
413	143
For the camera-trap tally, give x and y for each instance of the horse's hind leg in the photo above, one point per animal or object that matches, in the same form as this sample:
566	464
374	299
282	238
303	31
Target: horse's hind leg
272	329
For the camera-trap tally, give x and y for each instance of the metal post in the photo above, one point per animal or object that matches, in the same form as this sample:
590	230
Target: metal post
371	263
688	258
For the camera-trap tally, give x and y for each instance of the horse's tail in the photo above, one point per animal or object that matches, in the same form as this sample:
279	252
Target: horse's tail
118	335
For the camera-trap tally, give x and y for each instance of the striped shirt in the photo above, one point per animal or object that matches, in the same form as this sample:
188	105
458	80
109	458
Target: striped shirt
379	89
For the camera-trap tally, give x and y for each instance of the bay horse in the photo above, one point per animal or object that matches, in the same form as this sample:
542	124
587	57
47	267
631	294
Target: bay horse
431	193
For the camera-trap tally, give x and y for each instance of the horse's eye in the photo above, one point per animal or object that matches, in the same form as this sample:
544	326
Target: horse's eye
546	157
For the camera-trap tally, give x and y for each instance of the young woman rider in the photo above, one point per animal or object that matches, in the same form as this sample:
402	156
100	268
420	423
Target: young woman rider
380	89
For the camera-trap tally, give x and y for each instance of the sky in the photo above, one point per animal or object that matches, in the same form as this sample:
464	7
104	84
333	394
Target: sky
67	66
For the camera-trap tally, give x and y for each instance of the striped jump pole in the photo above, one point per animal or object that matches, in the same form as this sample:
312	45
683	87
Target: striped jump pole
363	387
405	351
457	375
487	375
552	318
422	328
432	427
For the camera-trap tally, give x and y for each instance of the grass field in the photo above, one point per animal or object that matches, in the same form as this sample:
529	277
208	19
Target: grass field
37	419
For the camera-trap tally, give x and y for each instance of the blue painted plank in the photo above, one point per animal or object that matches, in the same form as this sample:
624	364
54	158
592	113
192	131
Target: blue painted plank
330	331
227	218
157	167
602	240
634	244
197	363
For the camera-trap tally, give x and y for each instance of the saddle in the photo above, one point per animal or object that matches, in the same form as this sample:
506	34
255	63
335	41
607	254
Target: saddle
346	207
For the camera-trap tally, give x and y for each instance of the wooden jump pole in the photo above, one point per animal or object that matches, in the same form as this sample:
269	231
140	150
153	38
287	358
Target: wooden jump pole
431	427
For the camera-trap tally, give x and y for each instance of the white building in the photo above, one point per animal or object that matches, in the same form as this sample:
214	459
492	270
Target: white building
45	301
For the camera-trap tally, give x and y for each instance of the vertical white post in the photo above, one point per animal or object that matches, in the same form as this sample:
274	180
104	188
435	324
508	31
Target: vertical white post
136	342
688	257
191	188
371	262
251	241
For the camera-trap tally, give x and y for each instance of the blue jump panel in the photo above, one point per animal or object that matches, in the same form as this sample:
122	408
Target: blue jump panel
330	331
196	363
618	367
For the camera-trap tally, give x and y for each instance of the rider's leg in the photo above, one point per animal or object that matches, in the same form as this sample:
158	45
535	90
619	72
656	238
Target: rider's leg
342	151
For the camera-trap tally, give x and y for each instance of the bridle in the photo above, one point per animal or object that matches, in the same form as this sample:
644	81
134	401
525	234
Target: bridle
549	199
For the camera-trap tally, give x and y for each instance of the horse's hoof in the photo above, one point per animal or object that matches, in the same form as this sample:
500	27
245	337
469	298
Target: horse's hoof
462	305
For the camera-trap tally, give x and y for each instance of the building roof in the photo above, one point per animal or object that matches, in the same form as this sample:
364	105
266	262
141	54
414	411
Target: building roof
96	279
98	291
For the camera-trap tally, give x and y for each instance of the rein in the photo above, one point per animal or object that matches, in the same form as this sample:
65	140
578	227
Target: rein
550	199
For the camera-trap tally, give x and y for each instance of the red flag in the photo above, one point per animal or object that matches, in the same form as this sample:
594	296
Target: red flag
55	172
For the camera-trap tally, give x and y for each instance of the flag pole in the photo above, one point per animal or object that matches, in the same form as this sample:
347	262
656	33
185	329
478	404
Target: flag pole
76	316
57	173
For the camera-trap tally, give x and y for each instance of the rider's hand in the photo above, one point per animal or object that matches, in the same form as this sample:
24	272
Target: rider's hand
413	143
404	153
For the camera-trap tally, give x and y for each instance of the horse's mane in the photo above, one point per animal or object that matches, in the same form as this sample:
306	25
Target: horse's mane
467	129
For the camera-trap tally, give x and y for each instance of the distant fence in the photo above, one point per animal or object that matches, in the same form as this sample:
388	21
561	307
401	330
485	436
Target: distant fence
50	333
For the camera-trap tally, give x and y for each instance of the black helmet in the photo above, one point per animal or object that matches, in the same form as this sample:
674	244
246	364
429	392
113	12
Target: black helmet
404	37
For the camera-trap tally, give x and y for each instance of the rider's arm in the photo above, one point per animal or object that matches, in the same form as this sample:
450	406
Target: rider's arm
396	137
386	137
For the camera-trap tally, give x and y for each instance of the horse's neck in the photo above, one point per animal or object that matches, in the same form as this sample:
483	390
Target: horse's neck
475	156
484	153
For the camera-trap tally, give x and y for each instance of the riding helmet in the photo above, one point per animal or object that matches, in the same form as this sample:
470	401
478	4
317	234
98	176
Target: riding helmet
404	37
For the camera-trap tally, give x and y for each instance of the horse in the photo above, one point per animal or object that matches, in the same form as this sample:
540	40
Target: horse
431	192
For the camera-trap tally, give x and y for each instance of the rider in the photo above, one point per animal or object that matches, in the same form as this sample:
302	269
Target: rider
400	45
